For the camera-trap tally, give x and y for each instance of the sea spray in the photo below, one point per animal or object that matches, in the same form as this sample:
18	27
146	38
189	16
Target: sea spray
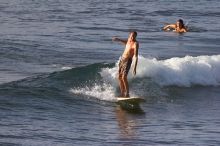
102	92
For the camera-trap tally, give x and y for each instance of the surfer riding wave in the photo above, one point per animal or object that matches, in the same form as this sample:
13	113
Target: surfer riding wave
130	52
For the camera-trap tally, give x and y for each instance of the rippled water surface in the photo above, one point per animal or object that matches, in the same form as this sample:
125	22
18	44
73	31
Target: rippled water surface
58	69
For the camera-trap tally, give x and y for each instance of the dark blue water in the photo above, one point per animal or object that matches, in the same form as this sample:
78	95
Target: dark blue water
58	73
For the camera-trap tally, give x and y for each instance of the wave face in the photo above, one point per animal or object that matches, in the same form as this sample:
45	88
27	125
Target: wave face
100	80
184	72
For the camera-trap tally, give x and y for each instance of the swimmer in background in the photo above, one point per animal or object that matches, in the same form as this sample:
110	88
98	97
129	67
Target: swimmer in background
178	27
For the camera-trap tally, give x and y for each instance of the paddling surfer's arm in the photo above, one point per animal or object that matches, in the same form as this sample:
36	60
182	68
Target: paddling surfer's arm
136	46
119	40
173	26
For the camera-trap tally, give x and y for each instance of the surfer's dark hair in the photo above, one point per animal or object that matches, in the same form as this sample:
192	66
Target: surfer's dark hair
181	22
134	32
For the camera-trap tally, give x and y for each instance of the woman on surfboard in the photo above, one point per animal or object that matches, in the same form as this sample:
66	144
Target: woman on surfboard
130	52
178	27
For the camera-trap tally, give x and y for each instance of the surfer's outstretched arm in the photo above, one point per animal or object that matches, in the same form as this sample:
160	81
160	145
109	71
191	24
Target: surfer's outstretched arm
119	40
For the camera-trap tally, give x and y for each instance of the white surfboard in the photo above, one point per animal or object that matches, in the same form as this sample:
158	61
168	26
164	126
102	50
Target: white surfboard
130	99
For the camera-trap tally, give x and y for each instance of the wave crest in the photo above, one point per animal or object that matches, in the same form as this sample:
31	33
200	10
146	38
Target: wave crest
186	71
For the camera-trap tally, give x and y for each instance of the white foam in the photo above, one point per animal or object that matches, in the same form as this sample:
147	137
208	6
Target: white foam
101	92
186	71
66	68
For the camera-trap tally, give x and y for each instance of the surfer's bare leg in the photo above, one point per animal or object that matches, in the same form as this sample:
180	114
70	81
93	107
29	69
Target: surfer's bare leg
126	87
121	85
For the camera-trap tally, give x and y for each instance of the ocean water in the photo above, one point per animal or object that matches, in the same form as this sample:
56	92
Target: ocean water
58	73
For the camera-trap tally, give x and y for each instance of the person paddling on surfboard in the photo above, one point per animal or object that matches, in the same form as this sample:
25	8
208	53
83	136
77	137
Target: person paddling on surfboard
130	52
178	27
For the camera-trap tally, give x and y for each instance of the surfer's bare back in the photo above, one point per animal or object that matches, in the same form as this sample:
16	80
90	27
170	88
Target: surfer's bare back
130	52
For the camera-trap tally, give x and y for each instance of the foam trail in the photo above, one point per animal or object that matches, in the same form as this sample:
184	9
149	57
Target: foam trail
186	71
102	92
